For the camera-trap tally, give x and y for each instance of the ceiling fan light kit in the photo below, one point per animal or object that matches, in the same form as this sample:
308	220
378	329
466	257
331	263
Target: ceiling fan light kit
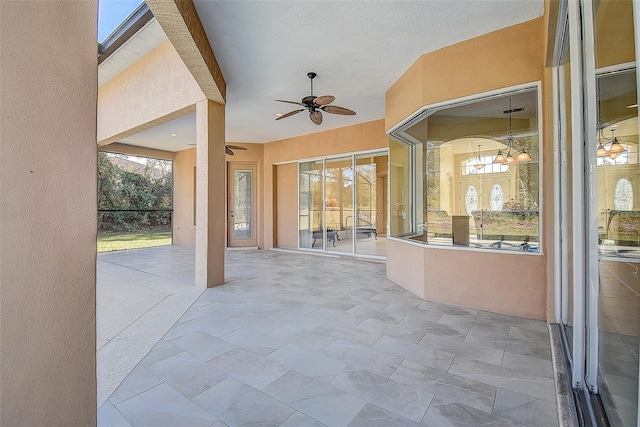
316	105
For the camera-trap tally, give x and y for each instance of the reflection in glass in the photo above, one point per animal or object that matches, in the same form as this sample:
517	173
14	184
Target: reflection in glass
454	169
399	172
368	225
619	237
310	209
339	203
242	204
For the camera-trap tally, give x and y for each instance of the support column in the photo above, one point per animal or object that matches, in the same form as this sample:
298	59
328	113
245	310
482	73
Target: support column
211	193
48	213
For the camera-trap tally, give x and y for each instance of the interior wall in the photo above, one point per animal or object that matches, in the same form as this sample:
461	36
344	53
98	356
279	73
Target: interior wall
508	57
360	137
48	213
146	83
184	186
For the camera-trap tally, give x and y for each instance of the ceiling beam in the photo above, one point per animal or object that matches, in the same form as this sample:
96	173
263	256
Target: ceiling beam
181	23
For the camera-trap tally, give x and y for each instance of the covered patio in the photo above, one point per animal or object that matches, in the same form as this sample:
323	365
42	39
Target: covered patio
293	339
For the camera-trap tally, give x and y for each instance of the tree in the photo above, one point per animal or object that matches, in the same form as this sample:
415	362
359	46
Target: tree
133	187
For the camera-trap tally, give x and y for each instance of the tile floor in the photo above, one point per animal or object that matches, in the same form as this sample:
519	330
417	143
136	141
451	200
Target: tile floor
306	340
140	294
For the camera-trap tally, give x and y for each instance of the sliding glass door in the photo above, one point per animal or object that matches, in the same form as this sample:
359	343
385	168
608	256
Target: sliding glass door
310	210
369	223
343	204
338	186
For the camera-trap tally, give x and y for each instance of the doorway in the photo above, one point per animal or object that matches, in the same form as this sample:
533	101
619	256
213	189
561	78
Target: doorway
242	205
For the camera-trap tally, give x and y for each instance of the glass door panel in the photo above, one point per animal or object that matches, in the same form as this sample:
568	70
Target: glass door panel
619	245
565	186
369	222
339	204
310	210
242	215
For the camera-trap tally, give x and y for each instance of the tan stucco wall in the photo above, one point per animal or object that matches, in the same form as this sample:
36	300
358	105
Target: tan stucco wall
360	137
184	169
469	278
133	150
137	98
508	57
500	59
48	213
286	208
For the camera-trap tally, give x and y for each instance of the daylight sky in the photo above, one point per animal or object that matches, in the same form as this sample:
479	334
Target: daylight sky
111	13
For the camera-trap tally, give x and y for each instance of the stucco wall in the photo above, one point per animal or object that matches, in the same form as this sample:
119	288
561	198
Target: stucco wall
133	150
48	213
508	57
137	98
286	208
503	283
360	137
499	59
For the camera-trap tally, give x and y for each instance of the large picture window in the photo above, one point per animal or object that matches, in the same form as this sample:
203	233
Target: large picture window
477	160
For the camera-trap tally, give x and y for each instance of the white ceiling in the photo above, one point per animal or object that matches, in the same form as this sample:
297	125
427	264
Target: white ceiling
357	48
161	137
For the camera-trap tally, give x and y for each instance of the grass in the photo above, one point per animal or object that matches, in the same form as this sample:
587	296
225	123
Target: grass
119	241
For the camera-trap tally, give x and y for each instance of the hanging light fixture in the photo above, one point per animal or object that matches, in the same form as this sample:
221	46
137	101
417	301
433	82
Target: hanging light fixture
479	165
615	148
512	154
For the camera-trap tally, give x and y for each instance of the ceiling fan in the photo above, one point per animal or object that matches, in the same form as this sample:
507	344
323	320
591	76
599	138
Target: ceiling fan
228	148
315	105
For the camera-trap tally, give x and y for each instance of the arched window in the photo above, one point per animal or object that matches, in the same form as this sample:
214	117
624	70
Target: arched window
497	197
471	199
623	195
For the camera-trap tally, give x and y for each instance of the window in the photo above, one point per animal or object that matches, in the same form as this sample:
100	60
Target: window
471	199
477	158
623	195
497	198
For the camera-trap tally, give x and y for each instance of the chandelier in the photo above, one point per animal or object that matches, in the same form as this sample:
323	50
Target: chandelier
615	148
479	165
512	153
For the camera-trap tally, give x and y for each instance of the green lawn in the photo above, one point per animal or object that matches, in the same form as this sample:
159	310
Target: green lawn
118	241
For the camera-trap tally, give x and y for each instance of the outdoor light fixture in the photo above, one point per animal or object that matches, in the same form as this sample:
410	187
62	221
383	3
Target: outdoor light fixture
512	154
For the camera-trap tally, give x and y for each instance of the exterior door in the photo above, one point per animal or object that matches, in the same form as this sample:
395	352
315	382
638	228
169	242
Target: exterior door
242	205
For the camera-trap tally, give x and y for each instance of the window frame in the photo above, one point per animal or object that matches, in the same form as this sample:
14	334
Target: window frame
423	113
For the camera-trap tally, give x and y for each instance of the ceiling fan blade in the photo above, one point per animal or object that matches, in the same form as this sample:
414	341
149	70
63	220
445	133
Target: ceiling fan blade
235	147
324	99
291	102
290	113
334	109
228	151
316	116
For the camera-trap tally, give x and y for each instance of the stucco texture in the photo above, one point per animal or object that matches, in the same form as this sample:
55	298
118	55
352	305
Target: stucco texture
48	213
513	284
